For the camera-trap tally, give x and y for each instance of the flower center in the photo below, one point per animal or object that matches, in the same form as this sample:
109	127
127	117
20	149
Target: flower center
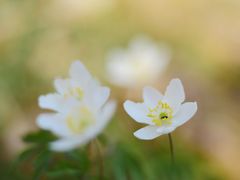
76	92
78	124
161	114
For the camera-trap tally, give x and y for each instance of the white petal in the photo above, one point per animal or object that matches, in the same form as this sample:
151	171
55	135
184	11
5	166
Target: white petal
79	72
54	123
62	86
174	94
51	101
165	129
108	111
185	113
138	111
99	97
147	133
67	144
151	96
47	120
70	143
120	70
102	120
56	102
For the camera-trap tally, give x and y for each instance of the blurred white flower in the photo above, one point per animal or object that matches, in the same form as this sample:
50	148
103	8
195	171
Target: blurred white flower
142	63
81	106
162	113
80	86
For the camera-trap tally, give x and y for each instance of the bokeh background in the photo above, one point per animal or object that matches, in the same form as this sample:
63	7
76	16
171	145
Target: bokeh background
39	40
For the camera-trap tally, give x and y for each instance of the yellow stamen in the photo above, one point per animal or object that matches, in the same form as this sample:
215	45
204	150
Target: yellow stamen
161	114
157	122
78	125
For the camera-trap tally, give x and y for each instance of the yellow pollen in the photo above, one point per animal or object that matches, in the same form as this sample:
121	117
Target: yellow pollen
161	114
78	125
157	122
77	92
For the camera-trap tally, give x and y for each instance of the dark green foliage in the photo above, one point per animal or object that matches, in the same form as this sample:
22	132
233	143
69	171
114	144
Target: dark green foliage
40	137
43	163
121	161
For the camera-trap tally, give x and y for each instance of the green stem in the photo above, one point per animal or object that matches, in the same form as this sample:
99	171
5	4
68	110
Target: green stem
171	148
100	155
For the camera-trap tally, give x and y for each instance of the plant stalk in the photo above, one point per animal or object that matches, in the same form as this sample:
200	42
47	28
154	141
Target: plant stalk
100	155
171	148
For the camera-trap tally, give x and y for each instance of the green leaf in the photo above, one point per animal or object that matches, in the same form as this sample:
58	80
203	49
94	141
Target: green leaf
24	156
41	163
71	164
40	137
61	172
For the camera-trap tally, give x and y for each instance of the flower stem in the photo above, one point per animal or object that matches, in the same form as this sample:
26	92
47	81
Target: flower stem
100	155
171	148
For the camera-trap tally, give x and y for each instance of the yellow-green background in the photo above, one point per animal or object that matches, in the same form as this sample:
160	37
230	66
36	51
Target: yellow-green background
40	38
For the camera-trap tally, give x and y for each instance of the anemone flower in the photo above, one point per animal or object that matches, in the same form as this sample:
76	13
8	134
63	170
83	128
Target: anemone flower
80	106
161	113
143	62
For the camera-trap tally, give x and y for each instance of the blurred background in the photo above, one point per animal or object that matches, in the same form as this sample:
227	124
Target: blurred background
39	40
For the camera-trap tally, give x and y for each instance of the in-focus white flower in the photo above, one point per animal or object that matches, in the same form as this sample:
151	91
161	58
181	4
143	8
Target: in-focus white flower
162	113
81	109
142	63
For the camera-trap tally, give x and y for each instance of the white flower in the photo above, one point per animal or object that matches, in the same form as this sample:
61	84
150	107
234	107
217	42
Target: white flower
142	63
81	109
80	86
162	113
